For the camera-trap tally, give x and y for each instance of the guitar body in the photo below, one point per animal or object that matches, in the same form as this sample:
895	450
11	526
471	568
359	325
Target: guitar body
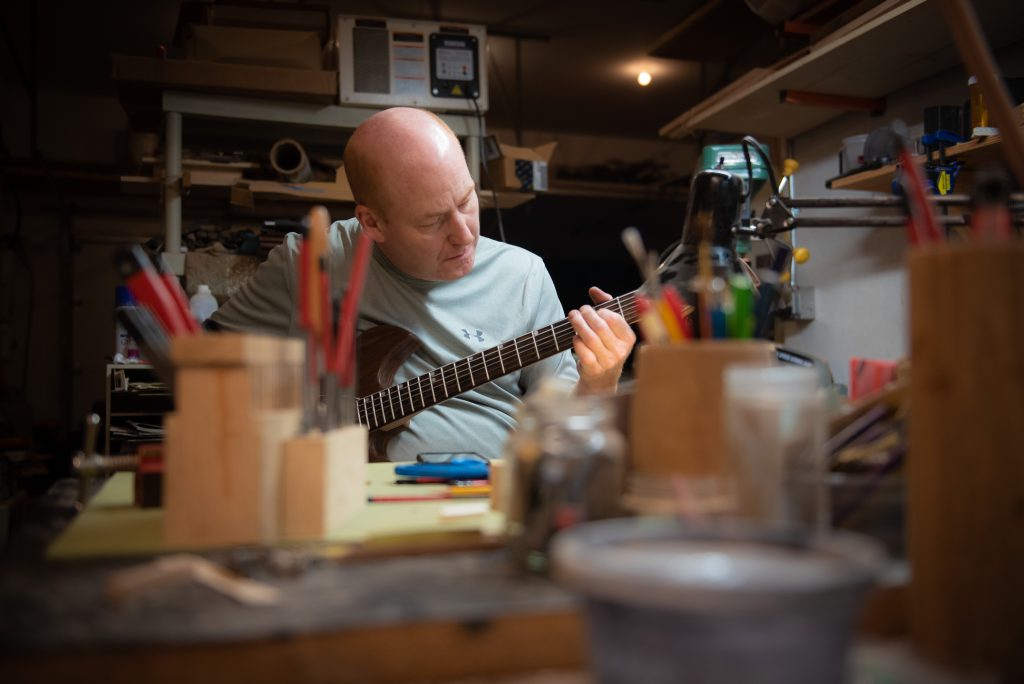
380	352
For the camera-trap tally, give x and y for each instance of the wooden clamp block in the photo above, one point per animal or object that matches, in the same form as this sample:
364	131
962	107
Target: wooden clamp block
676	424
323	481
236	404
965	521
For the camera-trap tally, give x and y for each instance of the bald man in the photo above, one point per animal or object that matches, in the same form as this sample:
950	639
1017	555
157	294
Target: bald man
435	276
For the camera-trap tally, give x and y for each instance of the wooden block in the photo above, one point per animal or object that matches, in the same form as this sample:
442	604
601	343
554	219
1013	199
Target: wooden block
676	422
211	485
323	481
221	468
276	428
236	349
966	471
496	472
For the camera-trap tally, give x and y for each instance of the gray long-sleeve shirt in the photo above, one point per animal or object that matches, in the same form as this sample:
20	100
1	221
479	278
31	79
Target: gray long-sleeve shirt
508	293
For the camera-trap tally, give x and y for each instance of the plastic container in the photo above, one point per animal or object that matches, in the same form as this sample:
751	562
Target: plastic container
851	155
774	421
667	604
202	303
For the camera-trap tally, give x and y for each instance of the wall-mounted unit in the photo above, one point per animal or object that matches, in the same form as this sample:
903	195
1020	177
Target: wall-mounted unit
399	62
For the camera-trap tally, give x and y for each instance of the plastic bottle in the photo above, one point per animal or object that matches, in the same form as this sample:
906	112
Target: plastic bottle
202	303
980	124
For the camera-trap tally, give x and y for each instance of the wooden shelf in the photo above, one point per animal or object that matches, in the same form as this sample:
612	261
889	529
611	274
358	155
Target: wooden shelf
609	190
888	48
310	193
974	153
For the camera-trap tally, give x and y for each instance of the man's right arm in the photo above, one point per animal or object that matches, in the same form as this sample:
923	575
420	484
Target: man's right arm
266	303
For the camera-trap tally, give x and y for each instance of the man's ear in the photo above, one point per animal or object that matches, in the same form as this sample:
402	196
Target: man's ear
370	223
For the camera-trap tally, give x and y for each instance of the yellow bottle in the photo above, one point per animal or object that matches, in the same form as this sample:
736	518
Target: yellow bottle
980	126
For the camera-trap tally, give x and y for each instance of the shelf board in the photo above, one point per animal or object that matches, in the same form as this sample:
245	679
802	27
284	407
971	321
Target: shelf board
898	44
331	193
880	179
506	199
611	190
974	153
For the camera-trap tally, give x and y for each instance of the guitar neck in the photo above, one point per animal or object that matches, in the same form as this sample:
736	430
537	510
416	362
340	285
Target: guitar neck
395	403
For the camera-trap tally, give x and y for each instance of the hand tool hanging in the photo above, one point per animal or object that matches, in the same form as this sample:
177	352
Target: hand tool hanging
158	291
315	313
329	399
344	358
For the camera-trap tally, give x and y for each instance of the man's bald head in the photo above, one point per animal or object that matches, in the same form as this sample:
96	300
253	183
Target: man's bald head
391	149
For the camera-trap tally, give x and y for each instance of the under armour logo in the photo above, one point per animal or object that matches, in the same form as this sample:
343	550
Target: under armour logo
479	335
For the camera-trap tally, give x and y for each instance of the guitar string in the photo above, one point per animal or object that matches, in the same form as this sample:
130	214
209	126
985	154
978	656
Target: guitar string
549	347
467	369
626	304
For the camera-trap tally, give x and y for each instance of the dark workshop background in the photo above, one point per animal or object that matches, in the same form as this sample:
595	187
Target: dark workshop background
560	71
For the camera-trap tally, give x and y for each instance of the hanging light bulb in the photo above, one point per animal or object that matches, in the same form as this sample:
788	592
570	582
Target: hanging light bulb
643	78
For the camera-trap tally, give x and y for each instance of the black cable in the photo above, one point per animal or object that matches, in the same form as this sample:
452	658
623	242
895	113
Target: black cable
487	174
751	141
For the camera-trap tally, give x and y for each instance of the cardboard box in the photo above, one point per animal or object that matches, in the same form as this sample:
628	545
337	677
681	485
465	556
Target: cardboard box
255	47
521	168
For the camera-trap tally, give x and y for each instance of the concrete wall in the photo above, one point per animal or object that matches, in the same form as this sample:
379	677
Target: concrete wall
861	293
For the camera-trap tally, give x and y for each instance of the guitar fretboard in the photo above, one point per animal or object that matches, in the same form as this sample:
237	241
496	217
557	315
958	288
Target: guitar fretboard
393	404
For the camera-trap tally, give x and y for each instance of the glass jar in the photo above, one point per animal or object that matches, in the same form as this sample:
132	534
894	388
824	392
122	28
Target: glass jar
566	464
775	429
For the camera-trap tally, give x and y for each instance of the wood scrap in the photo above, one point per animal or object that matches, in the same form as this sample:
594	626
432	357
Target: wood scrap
179	569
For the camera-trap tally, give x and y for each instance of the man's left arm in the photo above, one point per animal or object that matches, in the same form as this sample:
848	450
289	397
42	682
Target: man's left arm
603	342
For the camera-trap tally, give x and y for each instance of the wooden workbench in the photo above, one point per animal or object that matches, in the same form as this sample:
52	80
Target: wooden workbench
347	619
112	526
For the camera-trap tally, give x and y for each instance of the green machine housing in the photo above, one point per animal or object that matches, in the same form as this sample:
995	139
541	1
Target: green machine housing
730	158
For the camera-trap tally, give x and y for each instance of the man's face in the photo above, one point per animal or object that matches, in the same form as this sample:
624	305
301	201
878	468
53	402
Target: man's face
432	222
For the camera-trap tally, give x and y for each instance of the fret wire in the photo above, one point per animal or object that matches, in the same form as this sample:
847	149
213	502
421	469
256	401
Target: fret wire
563	334
559	340
625	304
383	414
